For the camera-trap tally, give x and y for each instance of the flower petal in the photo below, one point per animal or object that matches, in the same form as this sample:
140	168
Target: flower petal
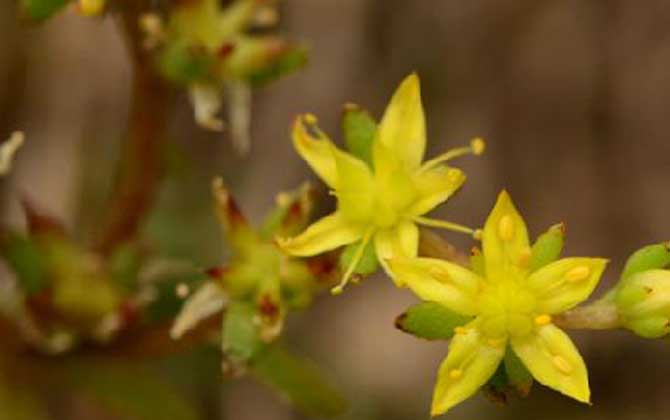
209	299
505	239
562	284
325	234
439	281
435	186
397	242
355	187
316	148
469	364
554	361
403	127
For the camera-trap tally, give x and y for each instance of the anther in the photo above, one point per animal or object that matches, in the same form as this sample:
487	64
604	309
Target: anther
506	228
310	119
460	330
561	364
440	273
182	290
478	146
478	234
543	319
579	273
524	258
455	374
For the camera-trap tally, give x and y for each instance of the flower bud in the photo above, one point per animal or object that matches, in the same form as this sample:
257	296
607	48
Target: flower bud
643	302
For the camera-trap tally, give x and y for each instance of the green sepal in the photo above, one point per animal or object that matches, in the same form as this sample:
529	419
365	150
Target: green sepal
359	130
24	257
548	246
240	336
647	258
124	266
518	375
650	327
289	62
430	321
181	63
368	264
40	10
299	380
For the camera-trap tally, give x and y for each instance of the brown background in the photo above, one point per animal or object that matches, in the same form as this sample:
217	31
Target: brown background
571	95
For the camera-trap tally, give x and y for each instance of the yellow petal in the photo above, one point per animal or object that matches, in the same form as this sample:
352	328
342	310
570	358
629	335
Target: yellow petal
563	284
505	239
554	361
395	187
355	187
469	364
403	127
399	241
439	281
435	186
316	148
328	233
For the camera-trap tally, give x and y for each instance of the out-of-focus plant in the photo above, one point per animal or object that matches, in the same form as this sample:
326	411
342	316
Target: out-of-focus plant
212	49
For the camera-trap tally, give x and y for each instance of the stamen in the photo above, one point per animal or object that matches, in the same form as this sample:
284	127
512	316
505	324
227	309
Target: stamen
561	364
354	263
506	228
182	290
543	319
310	119
579	273
460	330
455	374
524	258
444	225
476	147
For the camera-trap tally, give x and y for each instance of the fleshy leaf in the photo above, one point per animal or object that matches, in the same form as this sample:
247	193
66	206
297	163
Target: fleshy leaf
359	130
554	361
25	259
563	284
548	246
299	380
241	339
431	321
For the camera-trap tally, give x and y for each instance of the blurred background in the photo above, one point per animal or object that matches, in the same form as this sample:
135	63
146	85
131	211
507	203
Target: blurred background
572	97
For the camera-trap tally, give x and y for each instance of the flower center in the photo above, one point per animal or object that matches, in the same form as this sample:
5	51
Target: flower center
506	310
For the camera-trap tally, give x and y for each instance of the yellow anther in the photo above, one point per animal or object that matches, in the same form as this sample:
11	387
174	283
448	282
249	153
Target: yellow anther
460	330
310	119
506	228
543	319
455	374
495	342
561	364
478	146
337	290
454	174
91	7
478	234
524	258
440	273
579	273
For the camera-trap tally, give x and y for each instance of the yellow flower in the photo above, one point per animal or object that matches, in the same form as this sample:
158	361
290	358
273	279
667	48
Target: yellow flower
510	304
383	203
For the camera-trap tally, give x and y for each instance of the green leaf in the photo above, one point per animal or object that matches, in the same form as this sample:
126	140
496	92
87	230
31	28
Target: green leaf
368	264
648	258
40	10
130	391
548	246
299	380
289	62
359	131
183	64
241	340
24	258
431	321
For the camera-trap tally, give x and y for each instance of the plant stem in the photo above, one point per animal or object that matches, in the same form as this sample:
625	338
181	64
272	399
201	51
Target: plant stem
599	315
141	167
